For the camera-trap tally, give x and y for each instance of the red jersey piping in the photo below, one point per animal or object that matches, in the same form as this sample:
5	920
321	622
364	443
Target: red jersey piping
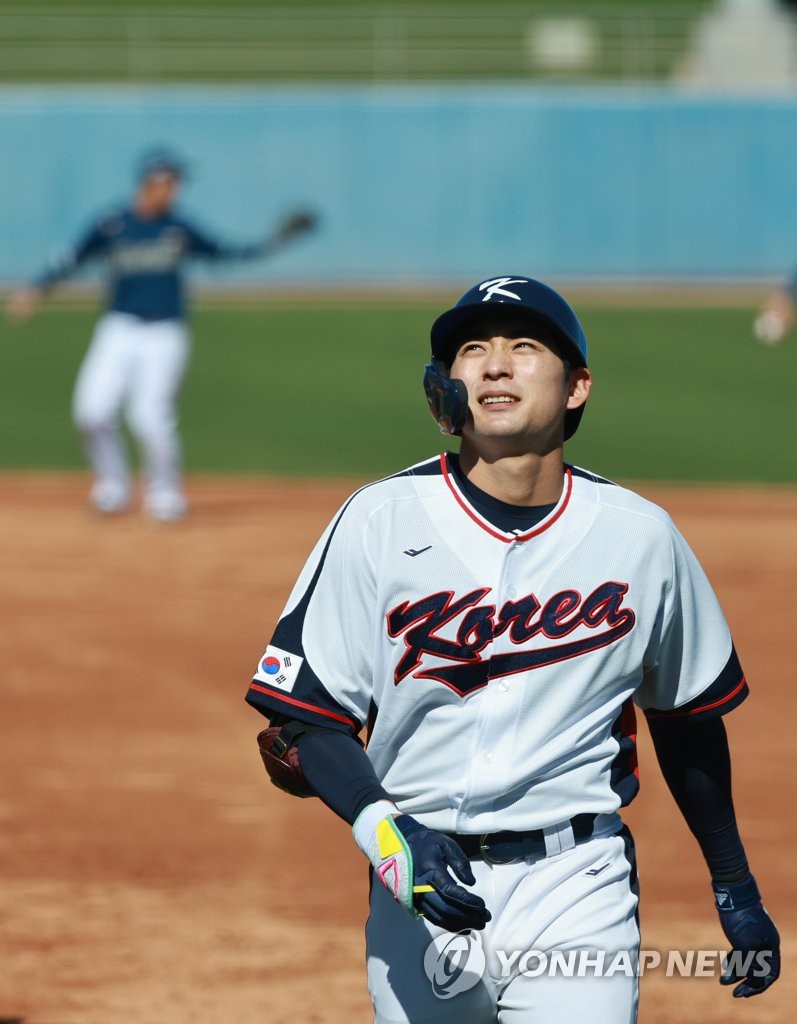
706	707
307	707
508	538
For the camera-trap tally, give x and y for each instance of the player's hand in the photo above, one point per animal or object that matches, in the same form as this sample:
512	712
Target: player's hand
775	319
413	863
437	896
754	961
23	304
297	223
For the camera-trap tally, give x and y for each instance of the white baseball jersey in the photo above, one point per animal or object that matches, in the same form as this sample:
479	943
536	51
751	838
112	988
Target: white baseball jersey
495	672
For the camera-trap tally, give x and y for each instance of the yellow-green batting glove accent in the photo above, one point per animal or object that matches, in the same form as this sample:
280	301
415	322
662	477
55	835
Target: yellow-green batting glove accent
377	835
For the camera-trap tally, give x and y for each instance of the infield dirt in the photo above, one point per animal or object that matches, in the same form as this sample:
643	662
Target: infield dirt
150	873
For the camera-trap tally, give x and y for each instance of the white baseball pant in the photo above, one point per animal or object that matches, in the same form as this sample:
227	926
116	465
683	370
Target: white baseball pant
576	904
138	367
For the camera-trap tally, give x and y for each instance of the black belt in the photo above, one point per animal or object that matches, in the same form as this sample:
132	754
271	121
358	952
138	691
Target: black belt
506	847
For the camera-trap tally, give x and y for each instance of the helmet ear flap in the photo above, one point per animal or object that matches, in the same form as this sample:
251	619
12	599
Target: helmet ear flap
447	398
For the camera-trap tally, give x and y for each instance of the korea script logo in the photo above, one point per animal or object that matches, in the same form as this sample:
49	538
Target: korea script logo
601	612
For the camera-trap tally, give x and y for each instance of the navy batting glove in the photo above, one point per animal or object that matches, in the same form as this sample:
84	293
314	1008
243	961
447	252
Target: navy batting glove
754	959
441	900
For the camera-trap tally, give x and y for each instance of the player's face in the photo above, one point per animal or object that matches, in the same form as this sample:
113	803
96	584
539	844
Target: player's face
157	194
518	389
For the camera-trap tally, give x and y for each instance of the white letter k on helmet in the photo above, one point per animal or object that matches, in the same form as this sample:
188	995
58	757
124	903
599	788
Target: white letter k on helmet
497	287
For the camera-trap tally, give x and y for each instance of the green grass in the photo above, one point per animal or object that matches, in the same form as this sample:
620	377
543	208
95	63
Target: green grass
679	394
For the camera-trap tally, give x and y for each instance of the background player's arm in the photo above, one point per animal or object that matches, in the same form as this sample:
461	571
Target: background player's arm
695	762
201	244
24	302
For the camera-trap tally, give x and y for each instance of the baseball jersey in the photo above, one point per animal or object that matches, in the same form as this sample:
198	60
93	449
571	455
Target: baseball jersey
145	258
496	672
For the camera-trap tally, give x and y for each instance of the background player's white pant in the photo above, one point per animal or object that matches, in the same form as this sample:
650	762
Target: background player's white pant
548	904
137	366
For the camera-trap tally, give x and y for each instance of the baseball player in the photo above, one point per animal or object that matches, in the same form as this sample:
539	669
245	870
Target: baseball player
138	355
491	618
775	319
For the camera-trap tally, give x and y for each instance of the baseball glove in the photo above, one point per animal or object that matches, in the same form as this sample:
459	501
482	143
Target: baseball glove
297	223
281	761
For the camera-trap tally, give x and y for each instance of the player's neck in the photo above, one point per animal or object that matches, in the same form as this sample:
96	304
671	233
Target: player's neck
146	211
523	479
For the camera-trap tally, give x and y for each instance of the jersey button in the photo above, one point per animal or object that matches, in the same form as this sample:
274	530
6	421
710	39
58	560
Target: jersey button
489	756
503	686
511	591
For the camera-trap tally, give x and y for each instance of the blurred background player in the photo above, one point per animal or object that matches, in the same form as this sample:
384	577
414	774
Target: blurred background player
776	316
140	348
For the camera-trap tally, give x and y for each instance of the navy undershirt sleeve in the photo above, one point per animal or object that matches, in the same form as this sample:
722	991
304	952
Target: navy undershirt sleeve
201	244
338	770
696	765
94	242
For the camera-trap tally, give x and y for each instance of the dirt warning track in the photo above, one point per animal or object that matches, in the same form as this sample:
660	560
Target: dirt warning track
149	872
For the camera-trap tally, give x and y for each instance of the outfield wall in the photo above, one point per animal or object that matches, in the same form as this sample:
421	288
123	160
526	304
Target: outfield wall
422	183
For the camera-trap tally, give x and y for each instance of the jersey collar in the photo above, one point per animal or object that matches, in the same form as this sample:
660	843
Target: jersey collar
507	538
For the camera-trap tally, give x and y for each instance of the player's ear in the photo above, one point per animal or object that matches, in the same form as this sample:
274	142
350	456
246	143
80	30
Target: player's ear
579	387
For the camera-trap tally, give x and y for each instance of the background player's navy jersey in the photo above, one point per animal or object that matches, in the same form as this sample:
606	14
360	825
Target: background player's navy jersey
145	259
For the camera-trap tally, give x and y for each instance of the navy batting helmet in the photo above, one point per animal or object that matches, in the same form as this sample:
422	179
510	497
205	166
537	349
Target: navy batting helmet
548	314
161	161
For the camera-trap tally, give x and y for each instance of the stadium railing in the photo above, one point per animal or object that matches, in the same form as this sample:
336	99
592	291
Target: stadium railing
547	42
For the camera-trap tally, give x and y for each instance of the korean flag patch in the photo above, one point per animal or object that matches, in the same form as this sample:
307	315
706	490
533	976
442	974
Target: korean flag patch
279	668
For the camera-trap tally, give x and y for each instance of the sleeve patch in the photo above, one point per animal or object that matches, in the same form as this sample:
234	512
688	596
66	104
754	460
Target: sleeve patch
278	668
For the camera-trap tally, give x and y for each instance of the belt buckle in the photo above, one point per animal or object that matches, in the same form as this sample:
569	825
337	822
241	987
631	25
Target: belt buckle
487	857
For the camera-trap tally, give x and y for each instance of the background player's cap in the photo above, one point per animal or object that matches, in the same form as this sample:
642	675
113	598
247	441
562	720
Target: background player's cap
547	312
161	161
